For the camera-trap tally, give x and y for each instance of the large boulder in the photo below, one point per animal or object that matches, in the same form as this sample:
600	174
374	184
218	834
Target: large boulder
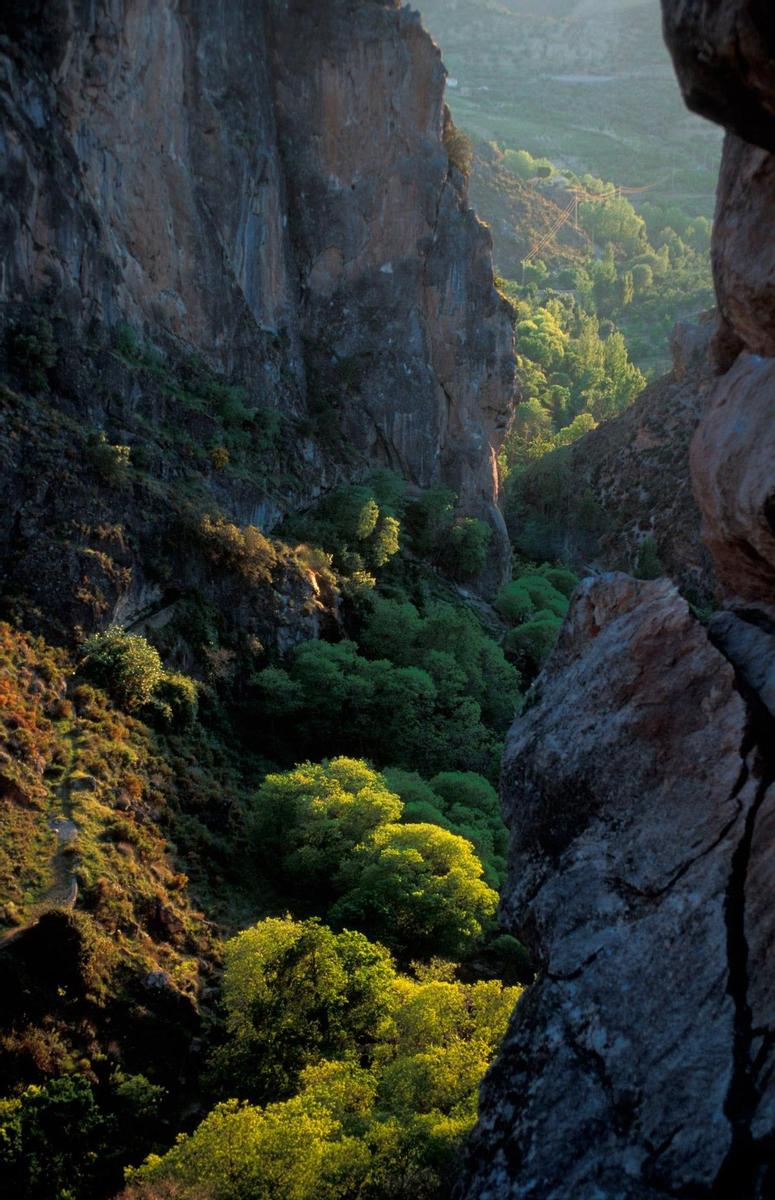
743	246
723	52
641	822
733	471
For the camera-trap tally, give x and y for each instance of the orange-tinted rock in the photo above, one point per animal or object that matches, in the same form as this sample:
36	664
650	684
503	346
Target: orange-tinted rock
743	245
245	174
733	471
723	52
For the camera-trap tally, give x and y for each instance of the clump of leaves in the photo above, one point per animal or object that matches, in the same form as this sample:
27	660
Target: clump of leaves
243	549
34	351
648	564
125	664
458	147
125	341
110	461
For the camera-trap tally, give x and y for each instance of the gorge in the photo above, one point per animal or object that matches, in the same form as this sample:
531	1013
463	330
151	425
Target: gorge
266	652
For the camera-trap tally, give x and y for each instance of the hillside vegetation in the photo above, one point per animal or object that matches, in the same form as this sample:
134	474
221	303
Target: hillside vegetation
252	845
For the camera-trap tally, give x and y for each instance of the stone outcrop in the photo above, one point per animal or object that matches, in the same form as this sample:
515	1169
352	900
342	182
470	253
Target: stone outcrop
640	782
723	51
641	809
733	470
266	185
743	251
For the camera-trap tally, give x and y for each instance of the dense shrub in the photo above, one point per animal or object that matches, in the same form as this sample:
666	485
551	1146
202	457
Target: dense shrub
307	821
532	642
465	552
459	147
176	702
374	709
329	832
428	519
33	351
131	672
296	993
417	888
358	525
242	549
124	664
111	462
67	1138
126	341
450	710
529	594
462	802
648	564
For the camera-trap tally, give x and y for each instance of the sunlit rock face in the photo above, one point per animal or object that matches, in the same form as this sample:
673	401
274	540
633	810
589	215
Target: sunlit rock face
733	468
395	269
224	173
638	783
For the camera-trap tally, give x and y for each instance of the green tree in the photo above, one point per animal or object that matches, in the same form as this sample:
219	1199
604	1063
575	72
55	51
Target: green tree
648	564
428	518
307	821
523	597
520	163
296	993
541	338
49	1137
239	1152
418	888
388	1128
532	642
33	351
465	553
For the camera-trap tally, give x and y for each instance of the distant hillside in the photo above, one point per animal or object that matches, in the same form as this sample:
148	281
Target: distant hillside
520	214
586	82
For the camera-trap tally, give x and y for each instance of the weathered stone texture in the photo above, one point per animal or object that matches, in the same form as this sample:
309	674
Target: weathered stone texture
733	471
639	781
637	807
220	173
723	53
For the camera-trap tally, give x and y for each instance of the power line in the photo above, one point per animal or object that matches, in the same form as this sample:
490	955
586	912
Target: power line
582	196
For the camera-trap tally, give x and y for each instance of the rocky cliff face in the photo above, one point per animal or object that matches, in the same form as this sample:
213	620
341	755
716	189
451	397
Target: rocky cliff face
639	783
266	186
639	806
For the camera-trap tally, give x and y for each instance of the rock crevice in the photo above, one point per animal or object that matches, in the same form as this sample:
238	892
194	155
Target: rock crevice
635	786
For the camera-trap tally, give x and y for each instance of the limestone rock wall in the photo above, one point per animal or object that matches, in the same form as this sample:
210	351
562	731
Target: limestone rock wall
223	173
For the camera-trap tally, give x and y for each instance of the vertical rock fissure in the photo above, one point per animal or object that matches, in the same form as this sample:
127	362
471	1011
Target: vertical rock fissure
738	1174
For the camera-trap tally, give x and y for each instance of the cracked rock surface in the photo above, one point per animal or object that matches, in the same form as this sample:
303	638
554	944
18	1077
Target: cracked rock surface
639	1065
638	784
296	194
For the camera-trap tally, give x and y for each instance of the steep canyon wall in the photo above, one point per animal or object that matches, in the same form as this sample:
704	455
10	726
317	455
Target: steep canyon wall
263	185
639	783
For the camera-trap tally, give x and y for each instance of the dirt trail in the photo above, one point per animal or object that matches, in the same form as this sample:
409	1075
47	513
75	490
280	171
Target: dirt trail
63	889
